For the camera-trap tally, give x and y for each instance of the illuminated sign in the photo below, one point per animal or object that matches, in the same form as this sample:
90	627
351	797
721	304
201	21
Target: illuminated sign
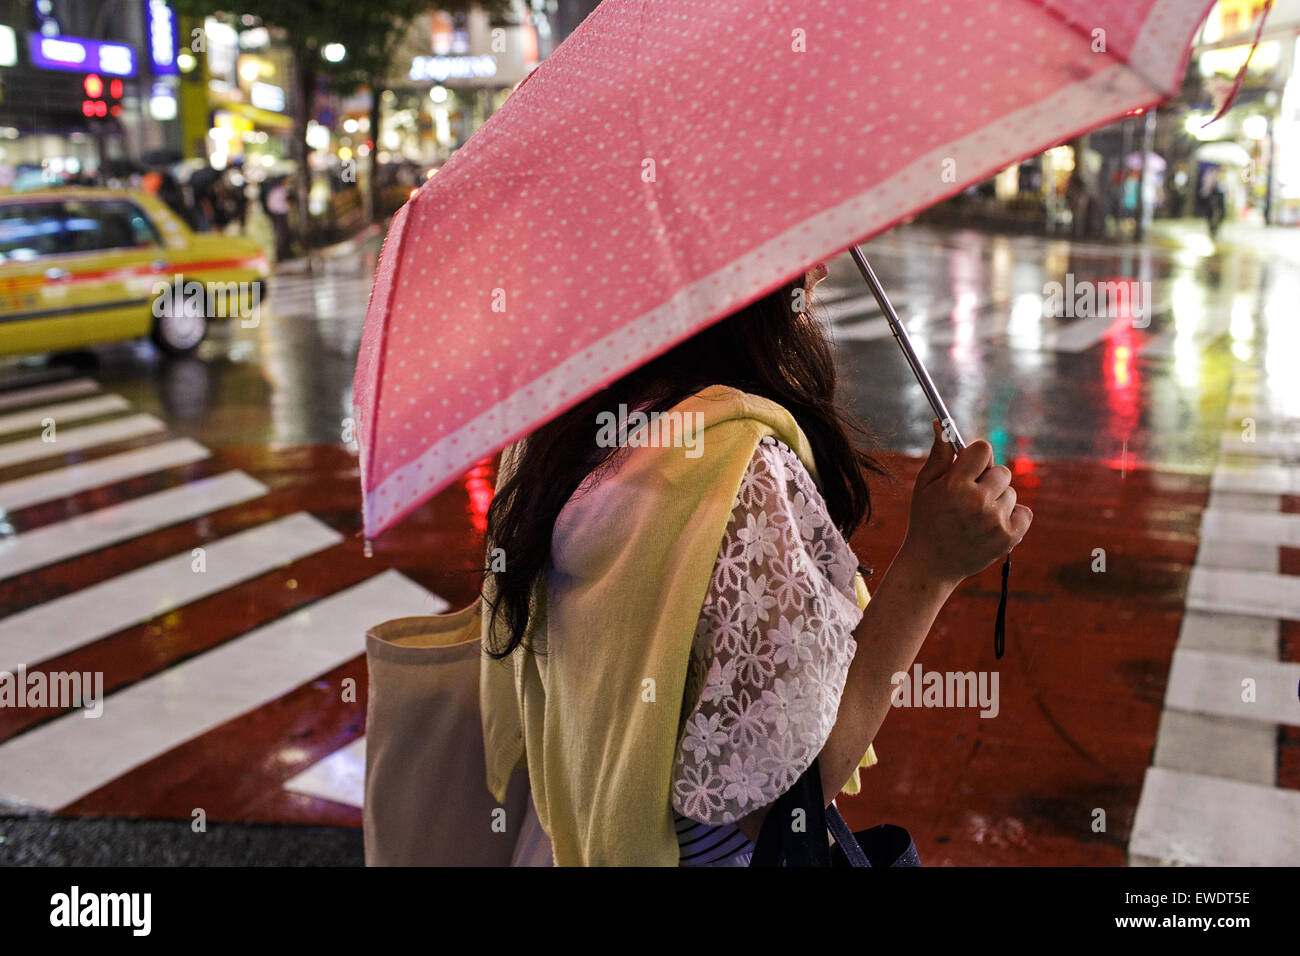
79	55
265	96
8	46
436	69
161	32
162	102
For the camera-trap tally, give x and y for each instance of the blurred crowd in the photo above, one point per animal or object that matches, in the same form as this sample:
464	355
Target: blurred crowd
208	199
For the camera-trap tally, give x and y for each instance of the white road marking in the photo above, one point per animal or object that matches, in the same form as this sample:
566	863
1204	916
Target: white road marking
1195	820
1260	593
1080	335
62	412
1269	478
78	439
340	777
1204	682
74	620
60	761
105	526
1282	530
46	393
1263	445
61	482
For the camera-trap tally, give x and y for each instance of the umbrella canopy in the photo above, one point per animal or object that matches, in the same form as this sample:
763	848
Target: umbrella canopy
1154	161
672	161
1223	153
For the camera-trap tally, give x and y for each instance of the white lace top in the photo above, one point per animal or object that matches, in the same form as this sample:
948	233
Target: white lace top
770	657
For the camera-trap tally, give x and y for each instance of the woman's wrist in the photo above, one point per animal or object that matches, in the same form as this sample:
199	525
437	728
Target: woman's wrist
918	573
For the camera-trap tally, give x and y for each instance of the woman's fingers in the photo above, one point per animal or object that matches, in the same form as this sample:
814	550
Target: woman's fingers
995	481
937	462
1015	517
1005	504
1017	522
972	462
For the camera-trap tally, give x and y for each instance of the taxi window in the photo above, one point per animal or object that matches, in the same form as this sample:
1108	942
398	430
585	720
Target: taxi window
30	230
107	224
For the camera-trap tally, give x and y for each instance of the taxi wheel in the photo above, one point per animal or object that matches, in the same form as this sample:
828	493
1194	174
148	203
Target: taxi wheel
181	326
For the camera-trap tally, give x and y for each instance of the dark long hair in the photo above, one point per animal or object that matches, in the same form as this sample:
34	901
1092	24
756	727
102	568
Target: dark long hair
769	348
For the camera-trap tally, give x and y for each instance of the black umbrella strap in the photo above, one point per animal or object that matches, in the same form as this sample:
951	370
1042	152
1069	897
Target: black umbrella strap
1000	626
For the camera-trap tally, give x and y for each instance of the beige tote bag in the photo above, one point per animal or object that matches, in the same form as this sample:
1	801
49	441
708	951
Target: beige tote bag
426	799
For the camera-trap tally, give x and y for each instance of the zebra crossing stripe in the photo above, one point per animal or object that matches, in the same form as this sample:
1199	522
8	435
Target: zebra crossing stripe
45	393
63	412
1260	527
1264	478
1198	820
75	620
1205	682
105	526
340	777
61	482
68	757
78	439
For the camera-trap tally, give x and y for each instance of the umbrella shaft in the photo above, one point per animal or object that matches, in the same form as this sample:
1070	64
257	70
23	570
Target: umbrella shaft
905	343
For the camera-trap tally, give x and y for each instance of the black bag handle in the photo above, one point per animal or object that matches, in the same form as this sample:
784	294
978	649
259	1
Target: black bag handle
780	843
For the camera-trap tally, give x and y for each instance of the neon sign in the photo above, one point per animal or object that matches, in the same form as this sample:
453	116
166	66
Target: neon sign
78	55
161	32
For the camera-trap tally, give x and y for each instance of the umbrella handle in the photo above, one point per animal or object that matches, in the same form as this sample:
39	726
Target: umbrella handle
940	411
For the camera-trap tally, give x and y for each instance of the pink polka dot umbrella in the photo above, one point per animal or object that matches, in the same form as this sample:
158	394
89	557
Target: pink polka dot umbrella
674	160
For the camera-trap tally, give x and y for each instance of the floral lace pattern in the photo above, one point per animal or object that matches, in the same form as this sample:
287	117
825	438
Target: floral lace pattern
772	648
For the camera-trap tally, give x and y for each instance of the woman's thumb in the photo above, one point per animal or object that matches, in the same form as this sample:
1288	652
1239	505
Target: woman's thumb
939	459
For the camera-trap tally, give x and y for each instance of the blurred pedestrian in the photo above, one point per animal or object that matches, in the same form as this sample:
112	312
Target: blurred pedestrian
238	196
276	203
1214	205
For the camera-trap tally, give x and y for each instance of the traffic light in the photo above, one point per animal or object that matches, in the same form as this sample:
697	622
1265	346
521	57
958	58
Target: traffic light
102	99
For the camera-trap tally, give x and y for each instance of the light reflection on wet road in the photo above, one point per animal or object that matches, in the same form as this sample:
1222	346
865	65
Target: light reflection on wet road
1035	386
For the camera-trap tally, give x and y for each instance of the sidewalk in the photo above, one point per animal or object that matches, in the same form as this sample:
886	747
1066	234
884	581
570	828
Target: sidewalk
366	242
1276	242
364	247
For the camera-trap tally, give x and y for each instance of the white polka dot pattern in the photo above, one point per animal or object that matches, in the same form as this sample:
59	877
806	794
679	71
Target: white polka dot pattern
675	159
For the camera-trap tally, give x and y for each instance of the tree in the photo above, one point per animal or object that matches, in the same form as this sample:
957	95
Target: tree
367	31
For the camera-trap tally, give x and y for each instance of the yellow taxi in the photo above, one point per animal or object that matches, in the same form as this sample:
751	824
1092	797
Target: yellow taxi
85	266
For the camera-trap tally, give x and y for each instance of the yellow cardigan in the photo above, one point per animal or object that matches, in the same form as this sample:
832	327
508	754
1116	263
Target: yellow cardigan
596	715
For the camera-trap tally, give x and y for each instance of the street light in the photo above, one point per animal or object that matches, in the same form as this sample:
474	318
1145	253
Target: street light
334	52
1255	127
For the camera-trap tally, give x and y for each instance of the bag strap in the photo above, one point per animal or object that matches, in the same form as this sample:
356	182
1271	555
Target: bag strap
794	831
845	839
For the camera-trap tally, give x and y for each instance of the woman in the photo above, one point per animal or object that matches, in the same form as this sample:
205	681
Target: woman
681	609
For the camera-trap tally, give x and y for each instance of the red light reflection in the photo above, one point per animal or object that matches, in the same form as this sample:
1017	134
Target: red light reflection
1120	373
479	485
1024	470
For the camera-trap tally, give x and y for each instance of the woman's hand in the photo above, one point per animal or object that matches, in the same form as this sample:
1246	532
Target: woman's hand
964	514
